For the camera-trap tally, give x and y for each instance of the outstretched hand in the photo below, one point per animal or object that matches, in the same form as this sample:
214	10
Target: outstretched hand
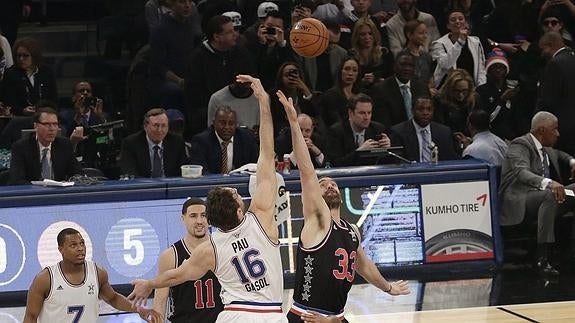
259	91
149	315
288	106
139	295
399	287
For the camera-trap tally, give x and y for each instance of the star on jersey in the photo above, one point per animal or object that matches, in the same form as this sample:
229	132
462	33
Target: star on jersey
308	260
308	277
305	296
90	289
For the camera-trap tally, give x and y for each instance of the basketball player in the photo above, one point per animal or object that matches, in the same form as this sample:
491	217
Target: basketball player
192	301
329	252
244	250
69	290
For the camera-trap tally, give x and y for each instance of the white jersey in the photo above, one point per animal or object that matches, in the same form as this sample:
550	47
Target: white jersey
68	303
249	268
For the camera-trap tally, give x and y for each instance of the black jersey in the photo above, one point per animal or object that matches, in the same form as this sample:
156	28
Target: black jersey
325	272
196	300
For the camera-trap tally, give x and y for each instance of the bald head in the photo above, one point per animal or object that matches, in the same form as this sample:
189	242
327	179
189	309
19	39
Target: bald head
550	43
305	124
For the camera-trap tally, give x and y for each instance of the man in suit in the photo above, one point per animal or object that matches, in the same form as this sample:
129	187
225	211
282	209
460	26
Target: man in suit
153	152
557	89
43	155
392	97
349	137
223	146
531	183
87	110
420	134
312	140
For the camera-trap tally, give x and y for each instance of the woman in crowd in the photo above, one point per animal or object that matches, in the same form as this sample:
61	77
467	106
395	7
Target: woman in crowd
28	80
456	98
333	103
416	35
375	61
457	49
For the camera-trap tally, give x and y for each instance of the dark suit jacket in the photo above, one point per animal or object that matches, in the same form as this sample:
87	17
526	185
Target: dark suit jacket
340	148
135	155
25	162
521	172
67	121
388	107
557	94
284	146
403	134
13	88
206	150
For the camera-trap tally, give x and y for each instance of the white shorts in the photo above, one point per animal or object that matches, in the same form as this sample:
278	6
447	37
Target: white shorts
244	317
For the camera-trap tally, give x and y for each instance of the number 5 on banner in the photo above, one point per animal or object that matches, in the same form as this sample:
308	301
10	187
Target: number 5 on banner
131	243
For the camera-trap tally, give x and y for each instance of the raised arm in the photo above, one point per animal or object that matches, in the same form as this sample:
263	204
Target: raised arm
200	262
263	201
36	294
315	211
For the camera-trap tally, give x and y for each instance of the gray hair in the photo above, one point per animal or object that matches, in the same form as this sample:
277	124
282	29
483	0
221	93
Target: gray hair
542	119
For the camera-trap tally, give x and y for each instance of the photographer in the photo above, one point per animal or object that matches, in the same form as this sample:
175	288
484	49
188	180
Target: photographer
87	110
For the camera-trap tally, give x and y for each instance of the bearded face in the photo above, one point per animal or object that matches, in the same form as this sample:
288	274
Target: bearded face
330	193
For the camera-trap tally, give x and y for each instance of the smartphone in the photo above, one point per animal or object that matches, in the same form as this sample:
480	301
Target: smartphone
90	102
378	137
270	30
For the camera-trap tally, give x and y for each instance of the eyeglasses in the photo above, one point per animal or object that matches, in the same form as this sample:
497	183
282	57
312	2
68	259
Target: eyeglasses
551	22
49	124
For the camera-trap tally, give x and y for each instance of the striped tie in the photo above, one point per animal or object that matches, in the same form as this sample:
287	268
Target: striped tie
225	169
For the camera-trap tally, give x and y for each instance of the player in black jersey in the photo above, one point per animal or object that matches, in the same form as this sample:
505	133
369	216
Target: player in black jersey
196	300
329	252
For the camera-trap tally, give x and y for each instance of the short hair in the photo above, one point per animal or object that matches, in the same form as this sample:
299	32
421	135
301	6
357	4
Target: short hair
221	208
76	85
541	119
224	109
152	113
192	201
47	110
454	10
401	55
216	25
479	119
64	233
33	46
419	97
552	38
358	98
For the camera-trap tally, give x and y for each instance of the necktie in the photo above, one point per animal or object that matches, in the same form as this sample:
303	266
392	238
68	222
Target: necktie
156	162
46	169
358	139
546	172
406	94
225	169
425	142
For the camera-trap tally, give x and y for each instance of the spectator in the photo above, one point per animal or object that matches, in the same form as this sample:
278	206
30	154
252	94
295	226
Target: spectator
457	49
392	97
484	144
347	138
455	100
215	64
496	96
224	147
153	152
361	10
271	48
417	36
44	155
332	104
171	45
531	184
321	71
6	60
395	26
12	132
86	110
250	34
375	61
557	89
156	11
329	10
420	135
383	10
313	141
290	81
239	97
29	80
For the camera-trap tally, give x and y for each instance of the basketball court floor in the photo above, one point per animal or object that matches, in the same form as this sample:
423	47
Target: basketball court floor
515	294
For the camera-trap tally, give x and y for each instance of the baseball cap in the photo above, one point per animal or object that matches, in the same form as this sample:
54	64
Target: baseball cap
266	7
497	56
235	16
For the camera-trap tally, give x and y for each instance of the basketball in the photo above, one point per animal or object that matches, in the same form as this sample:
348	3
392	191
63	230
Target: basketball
309	37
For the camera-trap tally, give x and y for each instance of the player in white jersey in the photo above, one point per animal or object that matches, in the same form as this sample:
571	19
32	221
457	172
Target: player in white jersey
69	290
244	251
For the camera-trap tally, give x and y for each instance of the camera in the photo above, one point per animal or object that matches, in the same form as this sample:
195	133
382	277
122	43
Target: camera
90	102
270	30
293	73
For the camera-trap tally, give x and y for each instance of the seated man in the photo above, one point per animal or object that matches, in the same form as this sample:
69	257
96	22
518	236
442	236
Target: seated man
44	155
239	97
13	129
312	139
153	152
87	110
484	145
531	184
223	146
358	133
420	134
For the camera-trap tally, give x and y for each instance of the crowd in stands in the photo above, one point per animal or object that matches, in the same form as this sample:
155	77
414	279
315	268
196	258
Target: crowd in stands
464	78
